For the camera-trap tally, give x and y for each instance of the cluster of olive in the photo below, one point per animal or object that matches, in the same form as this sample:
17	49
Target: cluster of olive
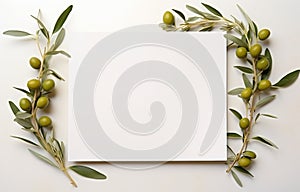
35	85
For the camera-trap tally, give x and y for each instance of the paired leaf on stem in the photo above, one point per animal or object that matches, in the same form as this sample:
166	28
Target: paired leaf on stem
87	172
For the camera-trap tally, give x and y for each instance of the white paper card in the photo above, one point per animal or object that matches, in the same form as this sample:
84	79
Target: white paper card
147	95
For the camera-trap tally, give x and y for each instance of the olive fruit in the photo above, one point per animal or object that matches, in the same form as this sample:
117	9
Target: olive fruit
244	162
25	104
264	84
241	52
168	18
45	121
244	123
35	62
255	50
48	84
264	34
262	64
249	154
42	102
246	93
33	84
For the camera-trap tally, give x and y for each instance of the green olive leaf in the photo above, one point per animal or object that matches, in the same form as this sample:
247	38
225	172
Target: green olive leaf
58	52
247	82
288	79
250	22
191	19
59	39
266	73
17	33
26	140
236	40
233	135
270	116
43	158
236	113
235	91
265	101
265	141
13	107
87	172
230	150
55	74
256	117
242	170
244	69
212	10
42	27
180	14
236	178
61	19
24	123
23	115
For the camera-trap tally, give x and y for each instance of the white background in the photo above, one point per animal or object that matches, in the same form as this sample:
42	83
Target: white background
274	170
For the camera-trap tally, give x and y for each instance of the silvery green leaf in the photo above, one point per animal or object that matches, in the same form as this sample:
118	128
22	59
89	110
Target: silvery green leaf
236	178
61	19
17	33
55	74
195	10
167	27
288	79
244	69
43	158
24	123
242	170
42	27
87	172
257	116
59	39
235	91
232	135
265	141
212	10
13	107
268	115
236	113
58	52
265	101
247	82
250	22
191	19
23	115
236	40
266	73
180	14
25	140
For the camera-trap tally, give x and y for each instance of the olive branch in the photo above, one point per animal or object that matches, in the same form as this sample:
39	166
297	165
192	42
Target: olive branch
257	91
38	96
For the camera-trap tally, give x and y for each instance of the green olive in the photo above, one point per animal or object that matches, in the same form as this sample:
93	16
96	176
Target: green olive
264	34
244	123
249	154
262	64
35	62
244	162
241	52
45	121
33	84
264	84
255	50
42	102
246	93
168	18
48	84
25	104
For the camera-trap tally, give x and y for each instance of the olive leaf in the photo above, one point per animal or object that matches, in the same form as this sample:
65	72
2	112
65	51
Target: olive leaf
191	19
250	22
17	33
55	74
288	79
59	39
23	115
233	135
244	69
26	140
265	141
265	101
180	14
43	158
58	52
247	82
24	123
13	107
62	18
195	10
266	73
235	91
236	113
236	178
42	27
242	170
268	115
87	172
212	10
230	150
236	40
